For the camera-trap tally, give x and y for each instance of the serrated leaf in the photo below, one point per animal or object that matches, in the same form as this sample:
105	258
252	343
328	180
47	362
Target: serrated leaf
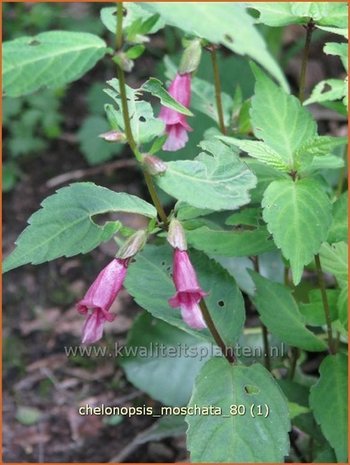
144	125
49	59
338	231
151	270
327	90
285	13
288	124
134	12
161	373
155	88
329	401
313	311
234	438
64	225
260	151
334	259
216	179
227	24
279	312
298	215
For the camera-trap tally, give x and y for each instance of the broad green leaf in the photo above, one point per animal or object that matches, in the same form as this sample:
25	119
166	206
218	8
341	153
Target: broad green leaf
313	311
259	150
341	50
144	125
151	270
295	410
64	226
319	145
326	162
155	87
216	179
49	59
329	401
227	24
163	360
230	243
339	228
237	438
334	259
203	100
298	215
334	30
285	13
279	312
288	124
134	13
342	305
95	149
265	175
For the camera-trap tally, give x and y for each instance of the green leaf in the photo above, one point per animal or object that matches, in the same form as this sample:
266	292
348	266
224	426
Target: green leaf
288	124
334	259
216	179
334	30
95	149
279	312
265	175
28	415
328	400
339	228
342	305
227	24
163	360
327	90
313	311
64	225
259	150
203	100
144	125
234	438
155	88
285	13
151	270
135	52
134	14
230	243
340	50
49	59
298	215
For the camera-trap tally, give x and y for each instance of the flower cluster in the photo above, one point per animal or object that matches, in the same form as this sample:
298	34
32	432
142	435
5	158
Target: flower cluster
101	294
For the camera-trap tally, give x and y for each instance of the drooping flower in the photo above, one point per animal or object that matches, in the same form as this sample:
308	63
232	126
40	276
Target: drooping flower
99	298
188	291
176	125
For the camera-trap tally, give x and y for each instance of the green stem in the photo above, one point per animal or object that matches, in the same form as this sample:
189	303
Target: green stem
226	351
325	303
217	84
126	117
302	78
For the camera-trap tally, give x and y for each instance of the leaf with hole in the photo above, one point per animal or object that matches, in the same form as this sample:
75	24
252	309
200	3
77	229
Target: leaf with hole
231	437
64	226
49	59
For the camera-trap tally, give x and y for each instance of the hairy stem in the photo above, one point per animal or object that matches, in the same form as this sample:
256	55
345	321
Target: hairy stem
325	303
302	78
226	351
217	84
126	117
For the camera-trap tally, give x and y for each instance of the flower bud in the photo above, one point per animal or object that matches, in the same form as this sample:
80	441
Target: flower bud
176	235
113	136
191	57
154	165
133	245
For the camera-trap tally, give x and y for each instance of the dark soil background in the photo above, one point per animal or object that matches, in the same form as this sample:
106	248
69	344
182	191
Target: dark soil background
42	388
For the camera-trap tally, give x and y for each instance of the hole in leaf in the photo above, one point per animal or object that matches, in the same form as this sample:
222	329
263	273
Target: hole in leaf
34	42
229	38
163	263
142	119
221	303
251	389
326	87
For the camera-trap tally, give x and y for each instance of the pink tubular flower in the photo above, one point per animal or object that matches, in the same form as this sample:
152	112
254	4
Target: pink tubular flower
188	291
99	298
176	124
